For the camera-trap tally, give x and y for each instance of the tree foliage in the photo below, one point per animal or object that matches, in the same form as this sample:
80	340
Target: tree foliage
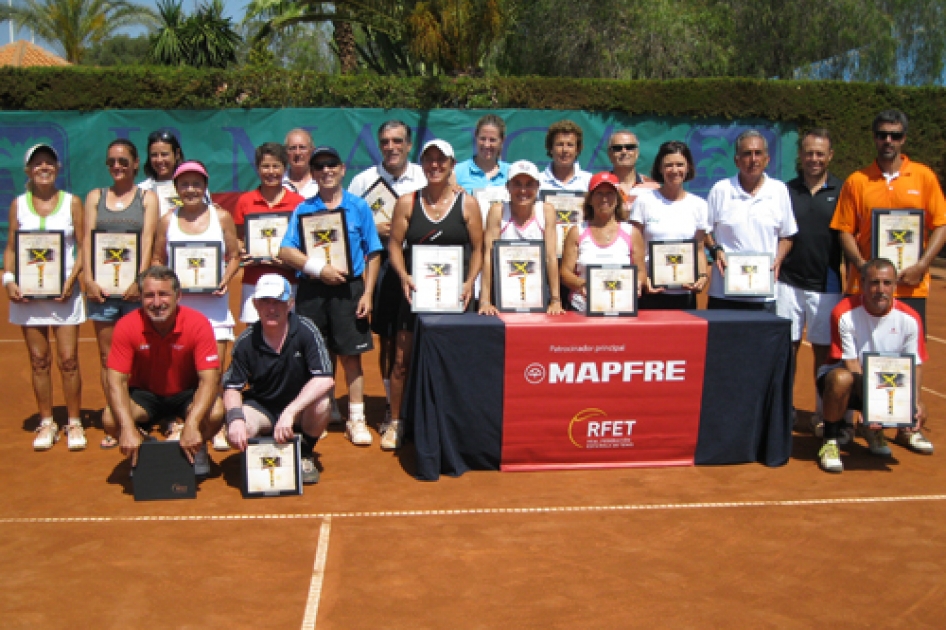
76	25
119	50
204	39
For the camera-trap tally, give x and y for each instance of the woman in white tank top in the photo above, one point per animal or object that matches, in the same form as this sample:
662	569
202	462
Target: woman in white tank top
198	221
522	218
46	208
603	238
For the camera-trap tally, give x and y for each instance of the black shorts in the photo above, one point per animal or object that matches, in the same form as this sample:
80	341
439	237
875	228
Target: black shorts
667	302
856	401
161	407
271	414
332	308
715	303
387	303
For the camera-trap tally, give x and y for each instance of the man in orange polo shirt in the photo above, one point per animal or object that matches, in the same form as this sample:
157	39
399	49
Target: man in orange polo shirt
893	181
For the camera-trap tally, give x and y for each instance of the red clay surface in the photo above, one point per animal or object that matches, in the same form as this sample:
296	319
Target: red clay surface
708	547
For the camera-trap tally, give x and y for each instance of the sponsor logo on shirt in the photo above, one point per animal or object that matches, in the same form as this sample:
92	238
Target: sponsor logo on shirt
913	192
831	198
297	354
144	346
177	346
211	357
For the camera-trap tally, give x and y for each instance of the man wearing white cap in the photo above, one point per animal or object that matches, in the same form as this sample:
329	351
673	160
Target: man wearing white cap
522	218
280	376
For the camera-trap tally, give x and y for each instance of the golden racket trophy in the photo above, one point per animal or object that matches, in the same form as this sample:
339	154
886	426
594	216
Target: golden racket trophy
196	264
39	256
269	233
116	257
521	269
899	239
324	239
612	287
271	464
674	261
438	271
750	271
890	381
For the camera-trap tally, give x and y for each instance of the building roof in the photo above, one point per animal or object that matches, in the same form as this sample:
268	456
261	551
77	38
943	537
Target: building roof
23	54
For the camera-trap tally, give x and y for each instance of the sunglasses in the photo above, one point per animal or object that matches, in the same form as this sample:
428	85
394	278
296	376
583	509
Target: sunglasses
121	161
321	166
893	135
617	148
160	136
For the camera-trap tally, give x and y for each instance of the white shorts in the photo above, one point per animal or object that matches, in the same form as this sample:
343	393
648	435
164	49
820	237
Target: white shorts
248	314
807	309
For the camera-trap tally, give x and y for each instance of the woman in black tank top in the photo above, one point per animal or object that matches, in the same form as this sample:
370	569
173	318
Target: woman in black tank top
438	214
121	207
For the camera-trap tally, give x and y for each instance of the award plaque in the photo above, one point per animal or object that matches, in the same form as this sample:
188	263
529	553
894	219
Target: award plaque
40	263
672	263
271	469
889	389
612	290
197	265
568	209
749	274
486	197
381	199
897	236
520	276
264	234
438	278
116	258
326	234
163	472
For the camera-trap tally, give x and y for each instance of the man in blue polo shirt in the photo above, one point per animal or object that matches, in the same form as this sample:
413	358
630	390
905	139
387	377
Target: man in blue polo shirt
339	304
280	376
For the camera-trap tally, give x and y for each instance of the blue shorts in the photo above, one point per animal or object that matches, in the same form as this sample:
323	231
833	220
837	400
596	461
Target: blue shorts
111	310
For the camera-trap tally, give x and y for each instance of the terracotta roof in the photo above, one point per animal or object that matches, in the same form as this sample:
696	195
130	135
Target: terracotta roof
23	54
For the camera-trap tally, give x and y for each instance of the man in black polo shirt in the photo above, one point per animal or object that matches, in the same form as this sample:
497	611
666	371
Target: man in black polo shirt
809	283
280	376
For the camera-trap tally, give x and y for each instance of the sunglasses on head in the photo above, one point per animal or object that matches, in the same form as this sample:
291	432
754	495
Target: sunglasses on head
320	166
121	161
893	135
617	148
160	136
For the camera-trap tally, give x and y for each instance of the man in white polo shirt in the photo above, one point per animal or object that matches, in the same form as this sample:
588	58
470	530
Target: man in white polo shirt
750	212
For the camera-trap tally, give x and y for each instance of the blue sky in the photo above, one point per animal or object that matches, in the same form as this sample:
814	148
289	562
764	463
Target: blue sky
234	9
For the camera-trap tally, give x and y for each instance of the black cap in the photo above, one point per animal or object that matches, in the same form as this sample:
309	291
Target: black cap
324	151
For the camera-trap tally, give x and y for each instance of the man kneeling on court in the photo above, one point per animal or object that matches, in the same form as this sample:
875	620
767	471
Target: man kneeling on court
871	322
163	364
280	376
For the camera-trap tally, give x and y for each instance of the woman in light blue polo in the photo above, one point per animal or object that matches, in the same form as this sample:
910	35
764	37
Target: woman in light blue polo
485	169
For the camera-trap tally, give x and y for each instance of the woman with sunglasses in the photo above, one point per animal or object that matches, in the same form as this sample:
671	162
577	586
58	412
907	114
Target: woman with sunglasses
121	207
672	214
603	238
43	207
164	154
197	221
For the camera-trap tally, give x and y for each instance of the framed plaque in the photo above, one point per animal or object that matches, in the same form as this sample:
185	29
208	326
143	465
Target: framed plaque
163	472
271	469
568	207
897	236
197	265
749	274
672	263
438	278
326	234
612	290
889	389
264	234
381	198
116	258
520	276
40	263
486	197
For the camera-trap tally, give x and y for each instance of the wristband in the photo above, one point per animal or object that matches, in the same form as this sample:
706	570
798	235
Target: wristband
8	278
313	267
235	414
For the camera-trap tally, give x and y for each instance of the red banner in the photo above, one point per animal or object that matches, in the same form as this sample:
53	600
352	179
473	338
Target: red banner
586	392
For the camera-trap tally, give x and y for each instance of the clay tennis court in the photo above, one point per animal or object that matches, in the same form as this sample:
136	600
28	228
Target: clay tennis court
370	547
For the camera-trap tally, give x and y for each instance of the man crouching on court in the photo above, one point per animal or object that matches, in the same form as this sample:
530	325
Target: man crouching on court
871	322
163	364
280	376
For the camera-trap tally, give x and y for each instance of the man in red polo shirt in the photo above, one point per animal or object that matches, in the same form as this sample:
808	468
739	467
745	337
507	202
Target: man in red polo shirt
163	363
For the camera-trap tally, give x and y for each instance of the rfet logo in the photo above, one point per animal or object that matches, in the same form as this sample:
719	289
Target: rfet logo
591	428
535	373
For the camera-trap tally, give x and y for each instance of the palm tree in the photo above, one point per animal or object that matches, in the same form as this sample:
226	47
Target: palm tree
204	39
76	25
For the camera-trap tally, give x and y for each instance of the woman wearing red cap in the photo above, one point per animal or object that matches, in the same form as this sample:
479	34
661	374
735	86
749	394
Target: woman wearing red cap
603	238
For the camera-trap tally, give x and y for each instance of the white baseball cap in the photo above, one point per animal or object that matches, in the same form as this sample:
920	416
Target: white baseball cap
273	286
42	146
443	145
523	167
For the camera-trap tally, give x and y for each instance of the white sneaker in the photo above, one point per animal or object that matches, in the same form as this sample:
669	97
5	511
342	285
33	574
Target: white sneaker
357	431
830	457
75	436
392	436
202	462
336	417
47	434
915	441
220	440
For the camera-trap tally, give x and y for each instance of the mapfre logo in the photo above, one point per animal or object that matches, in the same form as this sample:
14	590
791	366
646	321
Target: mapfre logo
590	428
534	373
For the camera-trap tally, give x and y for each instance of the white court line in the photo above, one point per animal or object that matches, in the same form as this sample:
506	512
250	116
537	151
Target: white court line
476	511
936	339
935	393
318	574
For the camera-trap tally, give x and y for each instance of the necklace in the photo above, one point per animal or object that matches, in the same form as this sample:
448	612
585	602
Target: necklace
433	208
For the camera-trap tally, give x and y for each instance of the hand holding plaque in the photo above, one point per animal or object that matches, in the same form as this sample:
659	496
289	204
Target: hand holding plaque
568	208
897	236
381	199
115	260
520	276
438	278
264	234
612	290
326	235
749	274
889	389
673	264
197	265
40	263
271	469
